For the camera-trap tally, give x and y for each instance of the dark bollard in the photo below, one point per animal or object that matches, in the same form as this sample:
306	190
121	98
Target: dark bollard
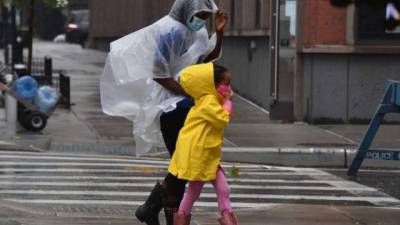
7	54
65	90
48	70
20	70
18	52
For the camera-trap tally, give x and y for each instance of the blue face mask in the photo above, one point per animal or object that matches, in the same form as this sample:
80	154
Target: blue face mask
196	24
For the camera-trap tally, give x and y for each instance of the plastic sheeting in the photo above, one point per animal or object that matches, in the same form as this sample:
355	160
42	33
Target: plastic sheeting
46	99
26	87
160	50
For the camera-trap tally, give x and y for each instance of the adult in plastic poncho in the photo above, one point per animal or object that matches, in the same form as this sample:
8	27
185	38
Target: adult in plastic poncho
140	82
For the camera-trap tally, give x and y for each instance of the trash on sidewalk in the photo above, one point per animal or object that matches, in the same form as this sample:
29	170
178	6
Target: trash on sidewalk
35	105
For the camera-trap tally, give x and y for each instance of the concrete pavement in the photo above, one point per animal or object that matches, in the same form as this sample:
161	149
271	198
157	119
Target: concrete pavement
273	215
311	215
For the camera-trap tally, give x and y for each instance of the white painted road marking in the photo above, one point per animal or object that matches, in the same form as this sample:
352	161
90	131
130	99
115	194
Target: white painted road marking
23	182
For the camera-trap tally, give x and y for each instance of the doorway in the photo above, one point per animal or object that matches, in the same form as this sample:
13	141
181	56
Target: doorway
283	56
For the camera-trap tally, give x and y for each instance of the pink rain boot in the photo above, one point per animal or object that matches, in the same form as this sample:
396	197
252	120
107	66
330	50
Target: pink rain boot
229	219
181	219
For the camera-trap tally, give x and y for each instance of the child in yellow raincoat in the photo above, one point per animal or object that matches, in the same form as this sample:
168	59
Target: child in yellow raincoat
198	149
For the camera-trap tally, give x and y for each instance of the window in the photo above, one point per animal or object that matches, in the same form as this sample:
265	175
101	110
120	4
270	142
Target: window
379	22
393	17
258	14
232	14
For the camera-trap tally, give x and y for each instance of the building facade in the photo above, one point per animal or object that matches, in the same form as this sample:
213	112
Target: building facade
346	55
299	59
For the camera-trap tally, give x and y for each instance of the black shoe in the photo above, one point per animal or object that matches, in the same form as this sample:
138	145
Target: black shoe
148	212
169	215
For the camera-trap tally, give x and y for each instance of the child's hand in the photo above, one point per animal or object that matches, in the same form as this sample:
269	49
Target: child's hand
221	99
228	95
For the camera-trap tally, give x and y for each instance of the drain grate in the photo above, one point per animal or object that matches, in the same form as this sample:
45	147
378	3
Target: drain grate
93	211
326	145
106	149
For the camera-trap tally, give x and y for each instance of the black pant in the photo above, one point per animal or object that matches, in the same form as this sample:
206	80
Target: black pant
171	123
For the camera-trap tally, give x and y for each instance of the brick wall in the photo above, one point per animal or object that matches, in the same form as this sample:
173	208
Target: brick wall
323	23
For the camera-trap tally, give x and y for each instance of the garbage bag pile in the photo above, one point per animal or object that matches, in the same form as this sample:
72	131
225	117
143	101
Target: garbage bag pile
44	98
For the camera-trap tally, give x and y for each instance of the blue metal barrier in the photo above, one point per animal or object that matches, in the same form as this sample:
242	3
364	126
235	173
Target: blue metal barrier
389	104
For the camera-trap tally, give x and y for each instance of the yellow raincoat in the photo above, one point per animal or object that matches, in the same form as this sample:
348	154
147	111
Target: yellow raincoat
198	149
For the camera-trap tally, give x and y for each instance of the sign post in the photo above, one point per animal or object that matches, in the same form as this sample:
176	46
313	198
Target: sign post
389	104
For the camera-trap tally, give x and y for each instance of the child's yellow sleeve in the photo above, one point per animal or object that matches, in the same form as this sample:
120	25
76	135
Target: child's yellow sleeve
212	111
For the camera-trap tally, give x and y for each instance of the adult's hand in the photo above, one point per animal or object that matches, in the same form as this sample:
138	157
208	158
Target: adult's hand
221	19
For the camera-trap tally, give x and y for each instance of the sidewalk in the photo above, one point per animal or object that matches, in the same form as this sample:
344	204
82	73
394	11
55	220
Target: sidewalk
312	215
250	137
279	214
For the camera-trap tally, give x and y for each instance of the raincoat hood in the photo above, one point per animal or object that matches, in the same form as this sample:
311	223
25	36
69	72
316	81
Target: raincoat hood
198	80
184	10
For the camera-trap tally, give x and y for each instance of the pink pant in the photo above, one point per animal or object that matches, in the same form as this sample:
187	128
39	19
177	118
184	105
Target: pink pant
221	189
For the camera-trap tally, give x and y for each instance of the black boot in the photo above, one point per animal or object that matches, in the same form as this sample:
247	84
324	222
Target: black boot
175	188
148	212
169	215
171	206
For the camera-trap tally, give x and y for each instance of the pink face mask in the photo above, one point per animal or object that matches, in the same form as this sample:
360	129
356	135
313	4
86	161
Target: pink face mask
223	89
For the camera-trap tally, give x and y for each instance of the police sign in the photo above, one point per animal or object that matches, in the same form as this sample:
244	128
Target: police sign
383	155
390	104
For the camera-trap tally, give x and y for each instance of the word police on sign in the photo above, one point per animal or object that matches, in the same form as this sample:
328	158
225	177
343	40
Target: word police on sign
382	156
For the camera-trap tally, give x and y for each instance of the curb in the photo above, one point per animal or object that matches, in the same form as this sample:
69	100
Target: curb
293	157
11	146
27	209
300	157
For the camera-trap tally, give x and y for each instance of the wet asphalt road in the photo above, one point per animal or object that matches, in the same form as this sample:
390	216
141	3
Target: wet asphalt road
385	180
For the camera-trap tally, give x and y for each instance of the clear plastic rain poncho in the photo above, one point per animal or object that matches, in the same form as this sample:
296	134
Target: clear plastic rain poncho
160	50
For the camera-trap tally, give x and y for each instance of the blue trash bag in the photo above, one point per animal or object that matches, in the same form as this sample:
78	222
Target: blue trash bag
26	87
45	99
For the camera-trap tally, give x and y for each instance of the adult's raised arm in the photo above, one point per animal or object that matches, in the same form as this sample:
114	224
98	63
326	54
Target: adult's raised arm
221	20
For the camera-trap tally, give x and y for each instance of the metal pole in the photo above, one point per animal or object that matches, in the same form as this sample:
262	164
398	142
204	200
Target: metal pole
13	36
11	111
4	25
275	50
30	35
298	75
6	15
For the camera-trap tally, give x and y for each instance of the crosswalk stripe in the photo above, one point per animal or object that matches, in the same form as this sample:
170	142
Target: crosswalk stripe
127	170
22	163
128	203
103	180
232	186
376	200
66	158
204	195
78	164
114	193
153	178
142	168
69	157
